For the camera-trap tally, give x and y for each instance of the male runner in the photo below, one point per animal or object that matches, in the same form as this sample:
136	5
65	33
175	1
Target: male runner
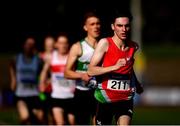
76	68
112	64
45	95
62	89
24	70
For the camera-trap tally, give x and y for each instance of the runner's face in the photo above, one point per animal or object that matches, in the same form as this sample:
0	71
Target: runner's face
49	44
92	26
62	45
121	27
29	46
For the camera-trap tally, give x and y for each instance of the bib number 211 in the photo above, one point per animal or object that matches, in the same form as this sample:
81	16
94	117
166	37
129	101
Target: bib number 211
118	84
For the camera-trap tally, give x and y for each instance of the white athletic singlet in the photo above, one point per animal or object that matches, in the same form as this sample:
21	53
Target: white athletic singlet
83	62
61	87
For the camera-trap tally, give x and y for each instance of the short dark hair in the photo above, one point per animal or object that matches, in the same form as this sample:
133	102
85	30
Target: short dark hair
62	34
121	13
89	14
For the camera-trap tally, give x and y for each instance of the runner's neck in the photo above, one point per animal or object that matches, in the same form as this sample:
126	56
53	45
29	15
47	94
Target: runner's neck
91	41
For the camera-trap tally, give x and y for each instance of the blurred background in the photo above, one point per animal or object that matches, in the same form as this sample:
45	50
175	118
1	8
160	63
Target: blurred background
155	27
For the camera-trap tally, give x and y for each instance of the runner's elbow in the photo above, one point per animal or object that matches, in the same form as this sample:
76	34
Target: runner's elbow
66	74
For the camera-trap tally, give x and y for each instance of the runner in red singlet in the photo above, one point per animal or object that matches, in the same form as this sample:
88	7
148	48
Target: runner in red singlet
112	64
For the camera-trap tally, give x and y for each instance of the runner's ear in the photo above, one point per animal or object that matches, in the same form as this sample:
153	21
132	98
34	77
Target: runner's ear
85	28
112	26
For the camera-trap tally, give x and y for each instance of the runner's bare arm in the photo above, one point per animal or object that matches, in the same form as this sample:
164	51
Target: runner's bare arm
94	69
70	72
43	75
12	75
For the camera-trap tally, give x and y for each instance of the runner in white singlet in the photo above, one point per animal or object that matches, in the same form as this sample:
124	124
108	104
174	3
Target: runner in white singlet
76	68
62	89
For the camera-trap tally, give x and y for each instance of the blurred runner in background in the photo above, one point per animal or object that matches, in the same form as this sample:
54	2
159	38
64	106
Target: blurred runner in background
24	72
62	89
45	96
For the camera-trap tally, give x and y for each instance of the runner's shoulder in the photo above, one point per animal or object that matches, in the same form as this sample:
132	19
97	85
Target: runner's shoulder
76	48
103	42
76	45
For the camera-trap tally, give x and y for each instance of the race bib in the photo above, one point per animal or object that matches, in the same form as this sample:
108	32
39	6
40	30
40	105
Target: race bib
29	86
29	83
118	84
61	81
64	83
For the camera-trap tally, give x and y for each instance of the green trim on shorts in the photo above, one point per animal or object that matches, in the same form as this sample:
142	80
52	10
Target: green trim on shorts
99	96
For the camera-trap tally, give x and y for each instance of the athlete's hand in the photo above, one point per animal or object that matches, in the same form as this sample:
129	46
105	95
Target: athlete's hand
41	87
139	88
13	86
120	63
85	77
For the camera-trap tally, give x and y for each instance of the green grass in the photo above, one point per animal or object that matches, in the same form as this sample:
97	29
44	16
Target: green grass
8	116
157	115
142	116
